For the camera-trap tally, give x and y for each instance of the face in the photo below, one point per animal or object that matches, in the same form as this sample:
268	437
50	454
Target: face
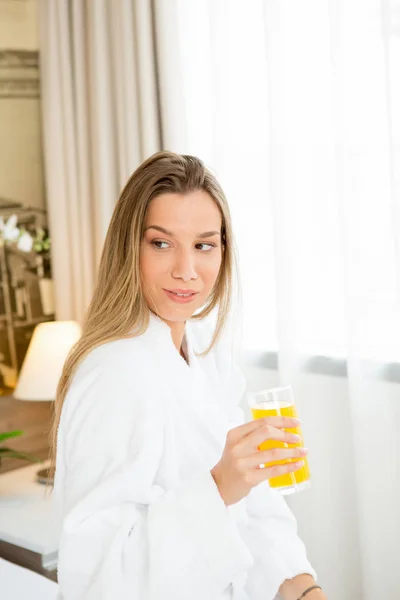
181	251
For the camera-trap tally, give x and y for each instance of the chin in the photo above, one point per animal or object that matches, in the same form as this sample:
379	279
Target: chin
176	316
178	313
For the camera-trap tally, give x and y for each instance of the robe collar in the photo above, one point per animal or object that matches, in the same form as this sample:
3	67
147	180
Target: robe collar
162	335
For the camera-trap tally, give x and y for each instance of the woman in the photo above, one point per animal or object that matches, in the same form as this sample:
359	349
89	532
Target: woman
157	480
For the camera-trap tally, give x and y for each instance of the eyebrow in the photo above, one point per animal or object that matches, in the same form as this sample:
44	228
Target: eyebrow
199	235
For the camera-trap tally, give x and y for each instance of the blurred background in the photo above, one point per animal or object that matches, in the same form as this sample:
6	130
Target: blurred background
295	106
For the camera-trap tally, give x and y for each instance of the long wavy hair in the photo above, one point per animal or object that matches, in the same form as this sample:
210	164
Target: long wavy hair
118	308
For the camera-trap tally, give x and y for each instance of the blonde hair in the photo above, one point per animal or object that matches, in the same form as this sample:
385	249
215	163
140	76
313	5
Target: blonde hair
118	308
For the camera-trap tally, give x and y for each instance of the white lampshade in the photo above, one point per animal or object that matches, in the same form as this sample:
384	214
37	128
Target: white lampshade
42	366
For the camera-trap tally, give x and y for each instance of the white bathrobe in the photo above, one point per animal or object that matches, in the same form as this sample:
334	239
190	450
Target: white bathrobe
140	515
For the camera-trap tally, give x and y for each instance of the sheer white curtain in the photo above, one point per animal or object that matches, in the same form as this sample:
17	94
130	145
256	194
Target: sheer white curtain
100	121
296	106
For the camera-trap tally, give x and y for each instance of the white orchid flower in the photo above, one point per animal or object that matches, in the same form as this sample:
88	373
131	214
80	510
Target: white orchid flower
9	229
25	242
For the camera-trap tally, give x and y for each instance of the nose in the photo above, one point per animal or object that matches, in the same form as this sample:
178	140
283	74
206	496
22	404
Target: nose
184	266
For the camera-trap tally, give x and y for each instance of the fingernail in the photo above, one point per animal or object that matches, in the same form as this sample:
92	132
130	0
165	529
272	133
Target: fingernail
299	463
304	450
296	421
295	437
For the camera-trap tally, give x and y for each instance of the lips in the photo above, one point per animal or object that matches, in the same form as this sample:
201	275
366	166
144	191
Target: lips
182	291
180	299
181	294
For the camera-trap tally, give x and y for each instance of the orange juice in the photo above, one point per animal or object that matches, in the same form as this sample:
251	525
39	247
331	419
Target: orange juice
289	479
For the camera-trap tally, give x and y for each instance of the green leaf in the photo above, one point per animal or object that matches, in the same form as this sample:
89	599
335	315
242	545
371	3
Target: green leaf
10	434
8	453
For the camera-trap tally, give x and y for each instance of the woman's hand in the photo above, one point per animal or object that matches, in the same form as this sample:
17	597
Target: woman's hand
292	589
239	469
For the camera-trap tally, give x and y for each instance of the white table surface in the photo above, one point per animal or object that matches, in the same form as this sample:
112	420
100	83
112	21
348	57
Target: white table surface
18	583
26	511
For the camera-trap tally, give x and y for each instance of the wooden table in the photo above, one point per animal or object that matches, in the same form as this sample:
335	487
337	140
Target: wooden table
34	418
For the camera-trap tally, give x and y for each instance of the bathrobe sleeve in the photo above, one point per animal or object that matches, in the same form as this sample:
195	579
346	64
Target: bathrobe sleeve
123	535
272	539
271	532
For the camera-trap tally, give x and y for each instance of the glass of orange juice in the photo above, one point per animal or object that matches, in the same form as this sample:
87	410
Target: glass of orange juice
280	402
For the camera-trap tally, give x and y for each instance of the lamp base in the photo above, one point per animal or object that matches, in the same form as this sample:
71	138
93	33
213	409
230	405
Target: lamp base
43	476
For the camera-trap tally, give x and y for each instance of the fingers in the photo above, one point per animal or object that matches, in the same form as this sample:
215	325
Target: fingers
274	455
251	442
280	422
237	433
260	475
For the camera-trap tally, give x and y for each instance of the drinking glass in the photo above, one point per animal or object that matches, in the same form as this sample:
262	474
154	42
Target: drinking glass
274	402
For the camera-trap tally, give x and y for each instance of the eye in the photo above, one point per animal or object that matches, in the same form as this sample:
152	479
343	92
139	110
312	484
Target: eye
154	242
211	246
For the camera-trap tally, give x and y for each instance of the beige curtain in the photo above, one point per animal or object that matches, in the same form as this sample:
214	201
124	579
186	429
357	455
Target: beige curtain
100	115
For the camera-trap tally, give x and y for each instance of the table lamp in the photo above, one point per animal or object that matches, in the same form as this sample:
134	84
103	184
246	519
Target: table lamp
41	370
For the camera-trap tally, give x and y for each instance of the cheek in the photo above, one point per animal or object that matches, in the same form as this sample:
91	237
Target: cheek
210	270
148	266
153	268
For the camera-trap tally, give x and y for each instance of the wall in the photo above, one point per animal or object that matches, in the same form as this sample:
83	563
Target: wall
18	24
